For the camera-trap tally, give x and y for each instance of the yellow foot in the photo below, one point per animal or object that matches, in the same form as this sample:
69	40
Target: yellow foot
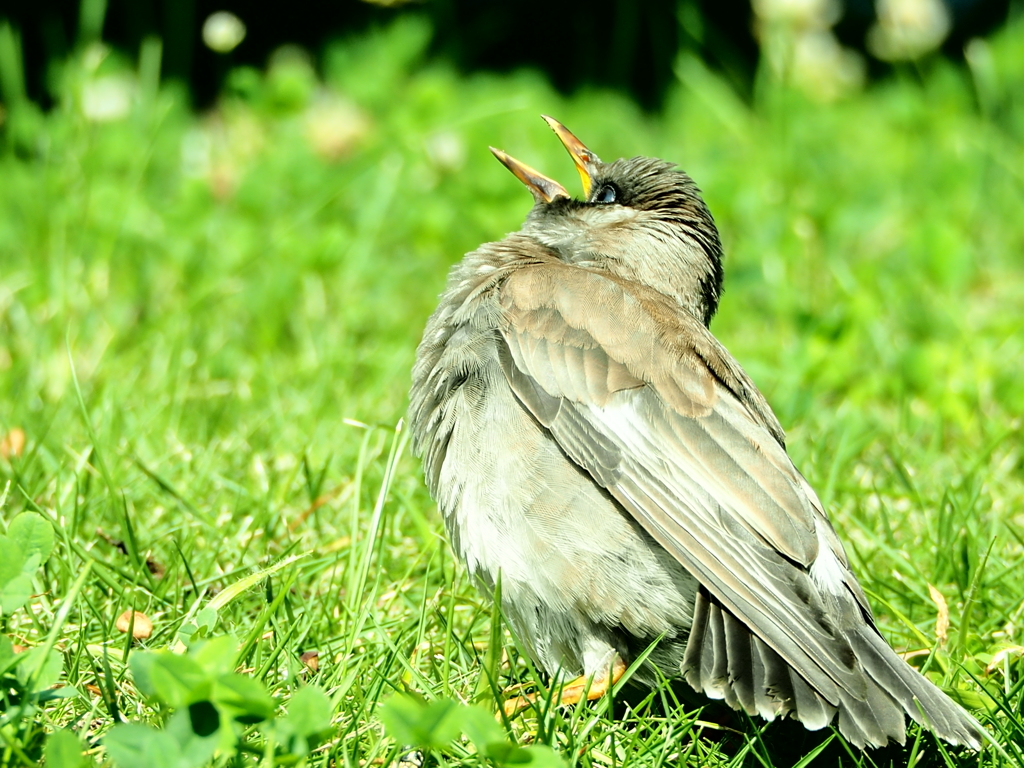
592	687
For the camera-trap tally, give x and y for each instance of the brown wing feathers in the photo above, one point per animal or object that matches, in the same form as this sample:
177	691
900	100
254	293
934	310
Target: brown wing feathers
682	439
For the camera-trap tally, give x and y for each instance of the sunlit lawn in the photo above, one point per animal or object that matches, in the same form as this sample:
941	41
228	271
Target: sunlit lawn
207	324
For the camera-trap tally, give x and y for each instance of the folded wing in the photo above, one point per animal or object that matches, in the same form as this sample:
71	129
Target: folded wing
642	397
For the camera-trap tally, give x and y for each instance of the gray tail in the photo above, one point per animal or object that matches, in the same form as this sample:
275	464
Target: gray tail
724	660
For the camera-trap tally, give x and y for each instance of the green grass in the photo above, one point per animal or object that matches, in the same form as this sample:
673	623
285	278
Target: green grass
207	324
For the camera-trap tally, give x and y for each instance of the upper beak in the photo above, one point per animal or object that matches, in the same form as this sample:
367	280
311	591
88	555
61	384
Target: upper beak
542	188
585	159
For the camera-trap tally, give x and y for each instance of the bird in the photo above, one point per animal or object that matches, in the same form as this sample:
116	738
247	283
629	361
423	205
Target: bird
593	448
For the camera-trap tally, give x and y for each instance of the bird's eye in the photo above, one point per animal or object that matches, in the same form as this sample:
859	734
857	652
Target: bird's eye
607	194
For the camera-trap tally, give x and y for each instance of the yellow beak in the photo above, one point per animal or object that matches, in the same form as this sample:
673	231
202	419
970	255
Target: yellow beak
542	188
583	157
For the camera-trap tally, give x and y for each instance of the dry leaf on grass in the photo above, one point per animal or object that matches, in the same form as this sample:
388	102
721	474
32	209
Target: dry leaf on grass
311	659
942	620
1001	656
141	629
13	443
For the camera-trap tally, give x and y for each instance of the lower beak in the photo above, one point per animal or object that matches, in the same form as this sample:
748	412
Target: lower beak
585	159
543	189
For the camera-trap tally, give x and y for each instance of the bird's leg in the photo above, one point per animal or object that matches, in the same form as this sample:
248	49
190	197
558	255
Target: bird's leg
590	687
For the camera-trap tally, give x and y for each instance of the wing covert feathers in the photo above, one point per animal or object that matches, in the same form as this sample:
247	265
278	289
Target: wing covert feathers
643	397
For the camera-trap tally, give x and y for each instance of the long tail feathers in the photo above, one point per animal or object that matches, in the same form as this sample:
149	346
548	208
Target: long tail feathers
724	660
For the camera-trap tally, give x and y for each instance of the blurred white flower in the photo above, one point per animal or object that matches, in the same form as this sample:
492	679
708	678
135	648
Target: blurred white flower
93	56
978	53
907	29
798	44
447	150
223	31
222	148
107	98
333	125
819	14
824	69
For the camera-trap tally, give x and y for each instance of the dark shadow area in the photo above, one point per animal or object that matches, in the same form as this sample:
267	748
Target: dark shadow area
628	46
781	743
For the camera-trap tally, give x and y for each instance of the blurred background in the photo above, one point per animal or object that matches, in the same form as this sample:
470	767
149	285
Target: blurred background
299	178
223	226
629	46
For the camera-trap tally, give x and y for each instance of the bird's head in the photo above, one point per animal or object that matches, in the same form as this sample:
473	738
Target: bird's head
641	219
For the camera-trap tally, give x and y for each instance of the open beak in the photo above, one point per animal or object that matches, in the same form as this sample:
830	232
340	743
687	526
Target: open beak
585	159
543	189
